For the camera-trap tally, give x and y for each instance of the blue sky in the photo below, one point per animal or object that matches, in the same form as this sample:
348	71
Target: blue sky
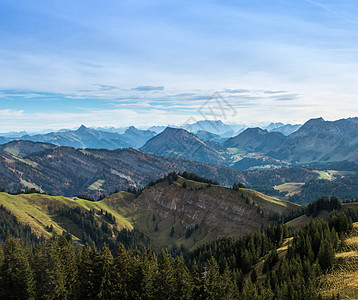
119	63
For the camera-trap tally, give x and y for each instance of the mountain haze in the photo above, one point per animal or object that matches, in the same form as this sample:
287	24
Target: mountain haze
322	141
255	140
85	137
173	142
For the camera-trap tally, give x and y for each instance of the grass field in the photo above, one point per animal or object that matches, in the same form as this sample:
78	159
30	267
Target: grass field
343	280
270	203
96	186
325	175
291	188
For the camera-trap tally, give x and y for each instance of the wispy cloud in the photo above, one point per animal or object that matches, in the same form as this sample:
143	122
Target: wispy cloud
148	88
274	92
236	91
105	87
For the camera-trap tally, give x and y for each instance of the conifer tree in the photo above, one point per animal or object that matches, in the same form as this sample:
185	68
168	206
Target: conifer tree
149	272
326	256
198	287
122	273
212	280
86	285
228	288
249	291
166	277
49	274
17	280
183	281
69	266
106	264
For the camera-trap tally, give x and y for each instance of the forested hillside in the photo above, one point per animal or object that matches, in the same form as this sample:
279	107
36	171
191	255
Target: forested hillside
256	266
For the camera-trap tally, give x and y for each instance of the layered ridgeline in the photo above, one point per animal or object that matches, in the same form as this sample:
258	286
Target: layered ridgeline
174	211
68	171
316	141
85	137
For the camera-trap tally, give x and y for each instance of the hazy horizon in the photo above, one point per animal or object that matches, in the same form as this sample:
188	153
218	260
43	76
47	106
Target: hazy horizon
234	126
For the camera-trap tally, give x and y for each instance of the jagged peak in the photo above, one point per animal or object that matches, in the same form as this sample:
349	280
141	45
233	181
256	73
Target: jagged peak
82	128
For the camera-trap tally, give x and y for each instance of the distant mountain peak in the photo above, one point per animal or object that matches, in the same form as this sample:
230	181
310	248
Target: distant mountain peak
131	129
312	124
82	128
316	120
217	122
255	130
181	143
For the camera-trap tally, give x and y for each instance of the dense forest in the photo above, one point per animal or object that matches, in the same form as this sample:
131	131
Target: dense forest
343	188
223	269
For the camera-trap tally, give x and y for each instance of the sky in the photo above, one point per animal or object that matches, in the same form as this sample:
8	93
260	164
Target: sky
119	63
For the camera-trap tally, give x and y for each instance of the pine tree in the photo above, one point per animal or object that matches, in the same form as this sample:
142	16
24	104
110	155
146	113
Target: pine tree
212	280
123	272
105	290
229	290
183	281
149	272
17	280
198	287
69	266
86	287
49	274
166	278
326	256
249	291
172	231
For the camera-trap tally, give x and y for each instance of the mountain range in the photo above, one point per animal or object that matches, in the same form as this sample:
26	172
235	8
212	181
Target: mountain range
85	137
122	137
285	129
315	141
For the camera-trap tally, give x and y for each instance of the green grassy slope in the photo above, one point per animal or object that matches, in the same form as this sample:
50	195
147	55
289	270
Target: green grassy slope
343	279
36	211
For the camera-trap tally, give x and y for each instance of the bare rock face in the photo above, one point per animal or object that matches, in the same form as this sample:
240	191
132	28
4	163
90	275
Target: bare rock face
220	210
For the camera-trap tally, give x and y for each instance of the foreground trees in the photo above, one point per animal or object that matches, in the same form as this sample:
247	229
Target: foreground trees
224	269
